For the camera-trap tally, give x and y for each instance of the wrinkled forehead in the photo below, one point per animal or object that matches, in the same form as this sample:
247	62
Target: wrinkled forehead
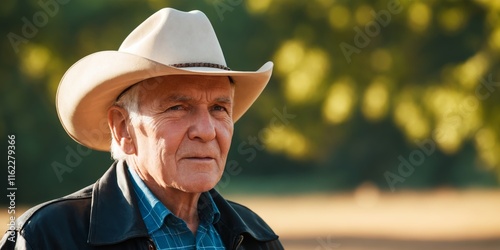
170	87
155	84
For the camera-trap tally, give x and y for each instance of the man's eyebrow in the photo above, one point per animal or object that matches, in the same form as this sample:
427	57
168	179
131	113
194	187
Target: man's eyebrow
170	99
223	99
184	98
177	98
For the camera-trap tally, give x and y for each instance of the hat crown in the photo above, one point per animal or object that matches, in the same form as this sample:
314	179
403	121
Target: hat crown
170	42
173	37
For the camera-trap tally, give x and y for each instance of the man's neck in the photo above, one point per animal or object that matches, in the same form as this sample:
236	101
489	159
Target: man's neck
182	204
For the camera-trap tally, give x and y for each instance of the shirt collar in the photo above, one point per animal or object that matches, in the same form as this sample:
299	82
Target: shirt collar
154	212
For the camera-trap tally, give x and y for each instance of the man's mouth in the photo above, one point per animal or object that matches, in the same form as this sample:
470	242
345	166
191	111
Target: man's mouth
199	158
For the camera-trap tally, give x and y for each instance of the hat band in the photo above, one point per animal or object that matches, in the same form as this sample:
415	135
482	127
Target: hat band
186	65
199	64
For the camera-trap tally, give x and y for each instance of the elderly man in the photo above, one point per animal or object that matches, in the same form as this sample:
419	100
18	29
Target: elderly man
169	102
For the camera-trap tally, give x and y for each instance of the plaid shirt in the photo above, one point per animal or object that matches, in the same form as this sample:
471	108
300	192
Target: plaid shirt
170	232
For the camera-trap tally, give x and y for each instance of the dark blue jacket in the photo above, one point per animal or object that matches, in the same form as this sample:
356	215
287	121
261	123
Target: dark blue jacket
105	216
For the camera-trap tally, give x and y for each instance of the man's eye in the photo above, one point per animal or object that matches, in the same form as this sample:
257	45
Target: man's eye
219	108
175	108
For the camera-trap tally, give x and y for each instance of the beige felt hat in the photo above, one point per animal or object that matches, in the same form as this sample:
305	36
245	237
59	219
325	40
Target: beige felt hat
170	42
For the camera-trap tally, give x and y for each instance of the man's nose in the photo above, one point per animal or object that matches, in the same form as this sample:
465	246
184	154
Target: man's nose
202	126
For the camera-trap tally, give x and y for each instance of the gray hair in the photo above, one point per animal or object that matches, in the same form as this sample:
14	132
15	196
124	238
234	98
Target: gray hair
128	100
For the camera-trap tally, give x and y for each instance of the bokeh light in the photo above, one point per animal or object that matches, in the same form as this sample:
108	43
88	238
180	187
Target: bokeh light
339	16
376	99
340	100
419	16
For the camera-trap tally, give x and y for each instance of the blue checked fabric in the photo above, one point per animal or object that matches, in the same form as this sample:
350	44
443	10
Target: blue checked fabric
170	232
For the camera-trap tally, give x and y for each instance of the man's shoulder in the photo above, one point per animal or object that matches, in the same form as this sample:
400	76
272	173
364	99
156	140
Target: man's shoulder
250	218
241	219
238	220
45	225
61	210
243	210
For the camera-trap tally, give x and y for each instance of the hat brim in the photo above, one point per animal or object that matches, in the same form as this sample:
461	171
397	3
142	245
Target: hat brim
92	85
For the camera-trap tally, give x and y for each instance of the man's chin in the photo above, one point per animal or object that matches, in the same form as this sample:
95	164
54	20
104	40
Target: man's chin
197	188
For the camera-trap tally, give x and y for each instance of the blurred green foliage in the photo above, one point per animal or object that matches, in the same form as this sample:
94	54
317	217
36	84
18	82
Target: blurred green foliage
367	86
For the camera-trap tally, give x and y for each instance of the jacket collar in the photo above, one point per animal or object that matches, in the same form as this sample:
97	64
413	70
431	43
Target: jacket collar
236	220
115	216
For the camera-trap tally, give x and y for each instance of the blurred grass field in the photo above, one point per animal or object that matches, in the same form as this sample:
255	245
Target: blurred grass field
370	219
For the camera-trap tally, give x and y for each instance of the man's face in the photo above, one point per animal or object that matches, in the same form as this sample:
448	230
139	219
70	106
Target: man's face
184	131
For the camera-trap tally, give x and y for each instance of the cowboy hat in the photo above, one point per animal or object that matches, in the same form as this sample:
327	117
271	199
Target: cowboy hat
170	42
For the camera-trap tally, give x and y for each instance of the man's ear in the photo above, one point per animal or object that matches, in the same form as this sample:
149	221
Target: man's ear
118	124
